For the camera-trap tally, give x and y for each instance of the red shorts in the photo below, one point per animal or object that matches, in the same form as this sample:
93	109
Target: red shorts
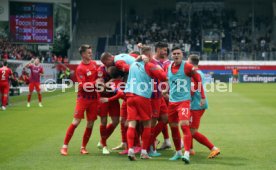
109	108
123	111
195	118
35	86
138	108
159	107
88	106
4	88
178	111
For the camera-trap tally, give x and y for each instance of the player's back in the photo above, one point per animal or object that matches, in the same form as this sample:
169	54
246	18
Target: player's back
196	98
139	81
5	73
124	57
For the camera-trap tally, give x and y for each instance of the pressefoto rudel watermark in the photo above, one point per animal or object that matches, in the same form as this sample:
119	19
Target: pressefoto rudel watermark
181	84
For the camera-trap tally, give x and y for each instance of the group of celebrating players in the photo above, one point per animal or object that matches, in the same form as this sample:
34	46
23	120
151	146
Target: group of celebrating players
155	92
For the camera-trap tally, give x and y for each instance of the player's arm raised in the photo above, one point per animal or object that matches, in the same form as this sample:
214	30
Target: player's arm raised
29	63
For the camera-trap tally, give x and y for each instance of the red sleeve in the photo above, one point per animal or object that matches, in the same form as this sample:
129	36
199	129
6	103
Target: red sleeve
194	86
155	72
119	94
198	81
134	55
41	70
30	66
188	69
122	65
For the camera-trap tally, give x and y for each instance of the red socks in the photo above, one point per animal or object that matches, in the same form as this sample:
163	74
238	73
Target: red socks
158	128
130	137
187	137
165	132
29	98
176	138
69	134
103	133
86	136
4	100
137	139
39	97
123	132
155	132
203	140
109	130
146	137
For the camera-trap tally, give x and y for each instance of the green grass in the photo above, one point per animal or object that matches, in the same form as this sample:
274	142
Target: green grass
241	123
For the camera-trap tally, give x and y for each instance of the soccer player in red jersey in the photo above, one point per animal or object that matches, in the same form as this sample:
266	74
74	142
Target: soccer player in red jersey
197	112
179	75
165	62
87	98
138	100
5	74
36	73
159	106
111	108
122	62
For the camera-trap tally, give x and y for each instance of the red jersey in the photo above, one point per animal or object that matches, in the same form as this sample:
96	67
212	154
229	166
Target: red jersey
102	73
156	94
166	64
5	74
35	73
87	73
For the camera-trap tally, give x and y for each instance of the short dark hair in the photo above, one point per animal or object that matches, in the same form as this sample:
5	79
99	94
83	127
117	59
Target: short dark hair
84	47
5	63
105	55
176	48
194	59
161	45
114	72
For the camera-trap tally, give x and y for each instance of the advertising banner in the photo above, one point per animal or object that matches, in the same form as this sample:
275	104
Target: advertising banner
31	22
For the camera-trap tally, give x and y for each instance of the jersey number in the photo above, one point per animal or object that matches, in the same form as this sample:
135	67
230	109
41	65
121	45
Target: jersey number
3	74
185	111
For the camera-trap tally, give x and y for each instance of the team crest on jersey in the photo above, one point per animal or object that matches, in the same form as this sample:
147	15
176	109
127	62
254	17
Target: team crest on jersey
88	73
100	74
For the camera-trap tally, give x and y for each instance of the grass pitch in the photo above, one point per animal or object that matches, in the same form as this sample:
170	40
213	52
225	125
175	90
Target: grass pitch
242	124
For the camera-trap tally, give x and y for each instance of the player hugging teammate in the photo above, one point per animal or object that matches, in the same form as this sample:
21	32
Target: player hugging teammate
156	92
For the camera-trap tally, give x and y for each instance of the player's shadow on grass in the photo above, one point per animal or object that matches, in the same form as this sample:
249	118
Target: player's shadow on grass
201	158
